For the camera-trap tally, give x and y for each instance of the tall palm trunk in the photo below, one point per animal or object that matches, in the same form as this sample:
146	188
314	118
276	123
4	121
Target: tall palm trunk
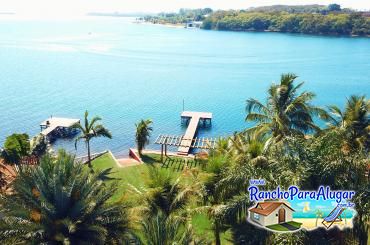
217	233
89	155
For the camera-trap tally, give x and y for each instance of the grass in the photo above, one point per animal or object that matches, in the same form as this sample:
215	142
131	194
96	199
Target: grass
295	224
278	227
129	178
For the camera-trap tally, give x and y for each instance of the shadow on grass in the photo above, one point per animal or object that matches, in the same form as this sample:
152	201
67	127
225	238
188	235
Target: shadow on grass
246	233
150	159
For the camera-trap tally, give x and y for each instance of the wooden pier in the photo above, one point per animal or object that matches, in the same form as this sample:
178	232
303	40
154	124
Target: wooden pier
193	118
53	124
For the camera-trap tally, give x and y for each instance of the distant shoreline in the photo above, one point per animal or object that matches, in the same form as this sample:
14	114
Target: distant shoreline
171	25
182	25
293	33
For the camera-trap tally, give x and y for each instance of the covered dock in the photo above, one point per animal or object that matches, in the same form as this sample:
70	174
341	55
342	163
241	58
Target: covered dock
54	125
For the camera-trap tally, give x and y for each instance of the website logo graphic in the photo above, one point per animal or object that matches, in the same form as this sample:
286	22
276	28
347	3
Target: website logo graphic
292	209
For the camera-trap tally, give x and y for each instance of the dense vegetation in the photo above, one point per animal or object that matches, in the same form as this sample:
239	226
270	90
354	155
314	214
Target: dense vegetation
311	8
183	16
307	19
335	23
60	201
18	147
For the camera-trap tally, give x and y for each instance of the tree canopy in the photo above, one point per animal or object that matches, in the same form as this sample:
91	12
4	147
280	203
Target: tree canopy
59	202
16	146
335	23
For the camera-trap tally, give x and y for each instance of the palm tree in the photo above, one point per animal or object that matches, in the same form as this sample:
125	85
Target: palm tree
354	120
222	146
286	112
143	130
165	216
165	194
213	198
248	147
91	130
164	230
319	215
59	202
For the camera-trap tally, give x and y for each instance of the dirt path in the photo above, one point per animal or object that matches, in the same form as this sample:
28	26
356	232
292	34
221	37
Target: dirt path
289	226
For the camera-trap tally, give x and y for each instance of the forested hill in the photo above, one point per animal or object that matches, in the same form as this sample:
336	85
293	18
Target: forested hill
312	8
331	23
308	19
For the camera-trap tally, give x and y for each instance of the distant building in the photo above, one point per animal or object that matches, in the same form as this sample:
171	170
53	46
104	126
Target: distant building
193	24
271	213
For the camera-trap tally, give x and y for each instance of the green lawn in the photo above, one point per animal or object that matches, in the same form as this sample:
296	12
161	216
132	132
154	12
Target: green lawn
279	227
132	177
295	224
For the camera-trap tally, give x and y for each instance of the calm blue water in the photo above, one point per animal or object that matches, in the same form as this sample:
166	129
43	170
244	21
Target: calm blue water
124	72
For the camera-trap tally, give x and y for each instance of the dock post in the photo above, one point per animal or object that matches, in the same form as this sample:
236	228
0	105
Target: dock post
165	147
161	153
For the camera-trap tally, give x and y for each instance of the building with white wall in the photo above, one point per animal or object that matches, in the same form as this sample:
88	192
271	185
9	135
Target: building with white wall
271	213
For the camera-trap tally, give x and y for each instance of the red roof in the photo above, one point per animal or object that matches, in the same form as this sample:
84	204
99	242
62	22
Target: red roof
266	208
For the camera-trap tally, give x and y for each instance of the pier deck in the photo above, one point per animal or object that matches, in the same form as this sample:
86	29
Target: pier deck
49	125
194	118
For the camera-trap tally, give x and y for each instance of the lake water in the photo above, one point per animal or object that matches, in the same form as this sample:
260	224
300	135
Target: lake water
124	72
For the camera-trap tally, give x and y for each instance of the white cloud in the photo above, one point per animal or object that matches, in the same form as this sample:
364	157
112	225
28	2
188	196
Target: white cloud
320	206
303	204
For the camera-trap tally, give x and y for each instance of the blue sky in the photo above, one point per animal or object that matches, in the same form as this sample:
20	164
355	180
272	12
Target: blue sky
69	8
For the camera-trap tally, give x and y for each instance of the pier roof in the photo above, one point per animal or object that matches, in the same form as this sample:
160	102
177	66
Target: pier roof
197	114
54	122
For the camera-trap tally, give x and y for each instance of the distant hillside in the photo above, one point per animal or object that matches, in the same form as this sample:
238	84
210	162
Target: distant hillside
183	16
314	8
331	23
306	19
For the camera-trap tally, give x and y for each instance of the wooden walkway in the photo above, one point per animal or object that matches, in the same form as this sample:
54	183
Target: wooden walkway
194	118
